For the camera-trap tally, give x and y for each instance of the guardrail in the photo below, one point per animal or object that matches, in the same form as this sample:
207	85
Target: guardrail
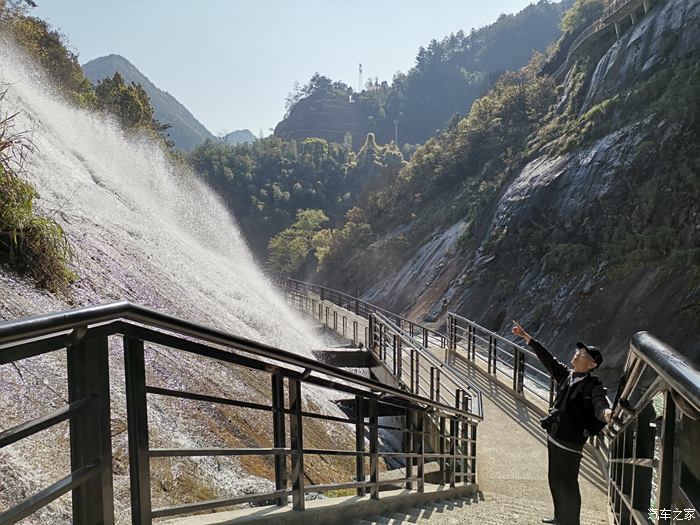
654	442
416	371
84	335
473	342
427	336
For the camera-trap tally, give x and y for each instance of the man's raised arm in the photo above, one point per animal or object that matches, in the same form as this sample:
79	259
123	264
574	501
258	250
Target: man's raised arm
556	369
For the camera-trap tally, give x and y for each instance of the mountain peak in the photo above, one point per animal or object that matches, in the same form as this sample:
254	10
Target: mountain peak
186	131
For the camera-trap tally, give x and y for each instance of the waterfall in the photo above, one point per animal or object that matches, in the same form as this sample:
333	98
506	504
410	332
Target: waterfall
145	231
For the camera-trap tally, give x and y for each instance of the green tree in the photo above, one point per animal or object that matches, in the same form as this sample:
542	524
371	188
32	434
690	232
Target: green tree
128	102
290	248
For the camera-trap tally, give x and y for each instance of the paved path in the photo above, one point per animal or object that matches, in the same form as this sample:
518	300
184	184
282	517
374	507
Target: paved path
484	508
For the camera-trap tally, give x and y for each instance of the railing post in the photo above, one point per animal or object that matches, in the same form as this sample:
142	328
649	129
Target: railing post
644	449
394	348
323	294
373	448
357	307
450	341
516	368
137	420
442	448
360	444
432	383
667	459
495	355
296	435
278	432
469	342
90	431
465	444
413	370
437	385
420	450
521	373
409	448
490	353
425	338
473	343
472	452
417	391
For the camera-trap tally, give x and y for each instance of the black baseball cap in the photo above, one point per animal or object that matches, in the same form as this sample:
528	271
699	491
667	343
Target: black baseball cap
593	351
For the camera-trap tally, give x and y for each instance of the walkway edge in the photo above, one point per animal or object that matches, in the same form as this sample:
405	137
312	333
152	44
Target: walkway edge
331	511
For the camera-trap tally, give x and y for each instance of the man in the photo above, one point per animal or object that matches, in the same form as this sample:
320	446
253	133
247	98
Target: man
580	410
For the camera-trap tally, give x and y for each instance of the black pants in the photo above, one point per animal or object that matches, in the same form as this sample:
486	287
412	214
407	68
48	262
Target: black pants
563	483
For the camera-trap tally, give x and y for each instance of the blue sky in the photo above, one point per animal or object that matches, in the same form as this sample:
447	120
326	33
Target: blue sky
233	62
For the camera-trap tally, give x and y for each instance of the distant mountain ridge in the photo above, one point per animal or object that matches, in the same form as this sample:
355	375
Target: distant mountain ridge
186	131
239	136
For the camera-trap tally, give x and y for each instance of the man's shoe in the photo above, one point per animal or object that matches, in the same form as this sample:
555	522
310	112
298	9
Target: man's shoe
550	520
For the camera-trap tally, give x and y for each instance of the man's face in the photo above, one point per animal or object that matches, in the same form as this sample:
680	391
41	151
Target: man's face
582	361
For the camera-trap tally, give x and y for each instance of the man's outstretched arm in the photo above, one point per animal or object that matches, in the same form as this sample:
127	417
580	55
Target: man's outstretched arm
556	369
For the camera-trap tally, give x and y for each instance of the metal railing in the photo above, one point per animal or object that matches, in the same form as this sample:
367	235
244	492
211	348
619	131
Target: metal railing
496	354
416	369
655	439
649	454
419	372
84	334
425	335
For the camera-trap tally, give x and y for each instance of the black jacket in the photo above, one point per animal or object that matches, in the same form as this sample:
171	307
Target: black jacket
584	407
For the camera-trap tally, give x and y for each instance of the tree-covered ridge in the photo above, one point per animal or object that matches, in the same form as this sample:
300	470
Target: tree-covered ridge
448	76
266	182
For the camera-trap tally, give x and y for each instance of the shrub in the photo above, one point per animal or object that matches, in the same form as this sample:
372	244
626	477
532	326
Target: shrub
31	244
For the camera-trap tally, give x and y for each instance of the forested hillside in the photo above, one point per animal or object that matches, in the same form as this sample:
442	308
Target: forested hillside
266	183
448	76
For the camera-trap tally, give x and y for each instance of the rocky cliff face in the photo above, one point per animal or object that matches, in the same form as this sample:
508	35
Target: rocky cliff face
577	200
328	117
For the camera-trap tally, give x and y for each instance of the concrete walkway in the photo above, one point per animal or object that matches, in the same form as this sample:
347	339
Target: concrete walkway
483	508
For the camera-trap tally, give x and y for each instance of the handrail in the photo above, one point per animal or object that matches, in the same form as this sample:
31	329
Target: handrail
363	308
462	382
41	325
602	23
675	369
85	332
518	359
649	445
